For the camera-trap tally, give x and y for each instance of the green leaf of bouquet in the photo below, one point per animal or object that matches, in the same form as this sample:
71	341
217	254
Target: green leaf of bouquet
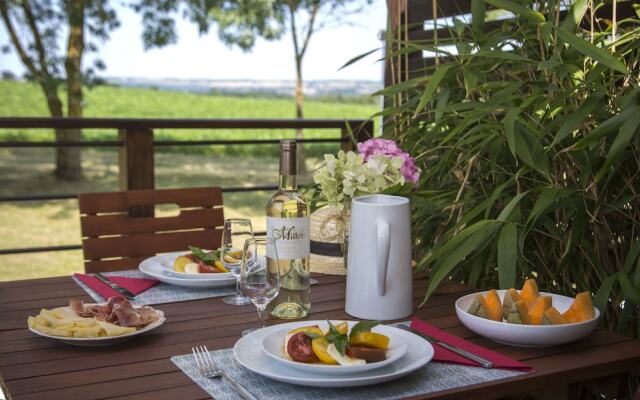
592	51
518	9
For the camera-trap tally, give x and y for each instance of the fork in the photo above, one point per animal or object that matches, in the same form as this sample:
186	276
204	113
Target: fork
208	369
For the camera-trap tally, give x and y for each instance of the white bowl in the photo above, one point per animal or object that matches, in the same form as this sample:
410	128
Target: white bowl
526	335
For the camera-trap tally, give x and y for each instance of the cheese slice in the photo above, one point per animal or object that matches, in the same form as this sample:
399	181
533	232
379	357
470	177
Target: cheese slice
343	359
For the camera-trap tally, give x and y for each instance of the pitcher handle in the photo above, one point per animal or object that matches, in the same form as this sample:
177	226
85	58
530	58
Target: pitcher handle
383	242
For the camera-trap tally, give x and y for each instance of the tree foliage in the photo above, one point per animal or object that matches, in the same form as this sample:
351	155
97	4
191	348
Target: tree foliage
528	134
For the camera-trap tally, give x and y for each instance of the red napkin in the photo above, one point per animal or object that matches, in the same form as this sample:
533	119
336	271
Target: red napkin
134	285
444	355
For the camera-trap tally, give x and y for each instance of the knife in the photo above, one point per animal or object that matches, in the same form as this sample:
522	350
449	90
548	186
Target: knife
482	361
115	286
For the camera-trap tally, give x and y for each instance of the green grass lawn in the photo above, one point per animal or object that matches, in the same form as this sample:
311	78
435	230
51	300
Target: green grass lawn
29	171
20	99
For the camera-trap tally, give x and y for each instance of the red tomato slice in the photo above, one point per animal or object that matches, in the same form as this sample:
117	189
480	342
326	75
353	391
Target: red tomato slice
299	348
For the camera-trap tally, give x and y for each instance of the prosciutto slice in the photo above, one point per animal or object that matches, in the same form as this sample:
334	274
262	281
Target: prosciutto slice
117	310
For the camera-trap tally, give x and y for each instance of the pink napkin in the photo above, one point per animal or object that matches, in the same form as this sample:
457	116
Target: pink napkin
444	355
134	285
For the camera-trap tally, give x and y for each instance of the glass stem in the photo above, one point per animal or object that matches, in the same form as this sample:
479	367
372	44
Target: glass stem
261	315
238	293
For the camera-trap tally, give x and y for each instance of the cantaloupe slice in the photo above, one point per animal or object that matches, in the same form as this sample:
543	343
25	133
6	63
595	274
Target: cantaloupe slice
553	317
529	292
536	311
581	309
509	302
521	316
488	307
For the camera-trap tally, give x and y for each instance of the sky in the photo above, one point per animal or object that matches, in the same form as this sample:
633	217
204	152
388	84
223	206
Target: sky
206	57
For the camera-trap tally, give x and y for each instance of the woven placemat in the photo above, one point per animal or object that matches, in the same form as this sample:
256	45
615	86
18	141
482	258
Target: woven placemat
433	377
162	292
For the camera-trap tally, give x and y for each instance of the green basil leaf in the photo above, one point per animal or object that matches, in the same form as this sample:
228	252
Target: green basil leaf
362	326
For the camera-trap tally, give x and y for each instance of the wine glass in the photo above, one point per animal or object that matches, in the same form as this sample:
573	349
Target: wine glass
260	274
235	232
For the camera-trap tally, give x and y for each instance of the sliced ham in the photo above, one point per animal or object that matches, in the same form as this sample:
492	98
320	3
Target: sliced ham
117	310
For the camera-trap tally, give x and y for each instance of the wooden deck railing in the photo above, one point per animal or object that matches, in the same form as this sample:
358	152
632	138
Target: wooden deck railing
136	145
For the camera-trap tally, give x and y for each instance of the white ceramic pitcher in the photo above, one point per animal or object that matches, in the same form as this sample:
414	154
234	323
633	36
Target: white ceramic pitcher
379	281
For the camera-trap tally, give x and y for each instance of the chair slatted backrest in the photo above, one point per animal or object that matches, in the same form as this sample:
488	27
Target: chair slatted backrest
112	240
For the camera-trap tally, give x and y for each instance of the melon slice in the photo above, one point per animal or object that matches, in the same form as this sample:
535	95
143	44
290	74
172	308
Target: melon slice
509	302
488	307
529	292
581	309
536	312
521	316
553	317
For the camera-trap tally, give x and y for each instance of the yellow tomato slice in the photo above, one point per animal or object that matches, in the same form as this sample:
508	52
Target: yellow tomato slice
319	346
311	329
370	339
180	262
221	267
342	327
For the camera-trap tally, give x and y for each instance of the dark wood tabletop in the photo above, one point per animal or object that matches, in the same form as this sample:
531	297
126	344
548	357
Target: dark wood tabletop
37	368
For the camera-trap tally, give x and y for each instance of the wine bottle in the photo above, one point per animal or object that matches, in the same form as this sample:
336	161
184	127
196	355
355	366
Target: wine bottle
288	226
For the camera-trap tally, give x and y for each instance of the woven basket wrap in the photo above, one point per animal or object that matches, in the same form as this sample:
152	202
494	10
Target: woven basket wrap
327	236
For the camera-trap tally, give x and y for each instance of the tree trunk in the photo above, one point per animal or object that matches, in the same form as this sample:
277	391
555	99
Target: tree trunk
299	99
68	160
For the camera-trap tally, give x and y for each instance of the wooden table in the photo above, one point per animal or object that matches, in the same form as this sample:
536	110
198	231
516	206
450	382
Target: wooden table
36	368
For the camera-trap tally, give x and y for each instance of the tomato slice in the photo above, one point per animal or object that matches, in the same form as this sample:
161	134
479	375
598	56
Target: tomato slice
299	348
365	353
319	346
342	327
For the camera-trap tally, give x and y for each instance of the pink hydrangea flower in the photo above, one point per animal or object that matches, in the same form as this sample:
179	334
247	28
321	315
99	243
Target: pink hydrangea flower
389	148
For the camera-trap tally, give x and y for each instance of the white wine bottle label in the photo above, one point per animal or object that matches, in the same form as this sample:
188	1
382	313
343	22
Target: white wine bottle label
291	236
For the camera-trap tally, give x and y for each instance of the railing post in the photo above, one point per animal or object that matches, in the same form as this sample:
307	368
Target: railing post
361	132
136	164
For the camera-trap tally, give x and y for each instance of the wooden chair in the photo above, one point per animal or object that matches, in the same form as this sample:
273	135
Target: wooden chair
113	239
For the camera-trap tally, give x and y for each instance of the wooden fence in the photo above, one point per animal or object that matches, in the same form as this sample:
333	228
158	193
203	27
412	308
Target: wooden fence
136	147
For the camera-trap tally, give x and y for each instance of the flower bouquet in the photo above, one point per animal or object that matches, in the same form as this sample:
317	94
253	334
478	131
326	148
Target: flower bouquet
379	166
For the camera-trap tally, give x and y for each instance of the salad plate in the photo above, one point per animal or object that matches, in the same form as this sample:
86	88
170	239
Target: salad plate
273	346
249	353
160	267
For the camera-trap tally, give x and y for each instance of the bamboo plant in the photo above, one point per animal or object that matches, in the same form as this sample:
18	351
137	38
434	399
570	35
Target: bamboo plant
528	135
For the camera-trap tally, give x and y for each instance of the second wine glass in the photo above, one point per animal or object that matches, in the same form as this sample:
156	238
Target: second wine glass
236	231
260	275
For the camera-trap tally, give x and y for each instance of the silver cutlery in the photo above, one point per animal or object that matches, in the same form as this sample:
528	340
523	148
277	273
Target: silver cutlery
123	291
208	369
313	282
480	360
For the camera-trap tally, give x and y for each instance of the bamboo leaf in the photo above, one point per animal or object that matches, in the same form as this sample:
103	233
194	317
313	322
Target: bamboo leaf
577	117
358	58
622	140
603	294
547	197
431	87
508	209
507	255
575	15
518	9
631	293
444	268
605	128
633	254
478	12
591	51
509	122
502	55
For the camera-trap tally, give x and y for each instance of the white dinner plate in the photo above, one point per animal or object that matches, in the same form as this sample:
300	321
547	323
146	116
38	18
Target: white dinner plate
249	353
160	267
273	346
106	340
526	335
